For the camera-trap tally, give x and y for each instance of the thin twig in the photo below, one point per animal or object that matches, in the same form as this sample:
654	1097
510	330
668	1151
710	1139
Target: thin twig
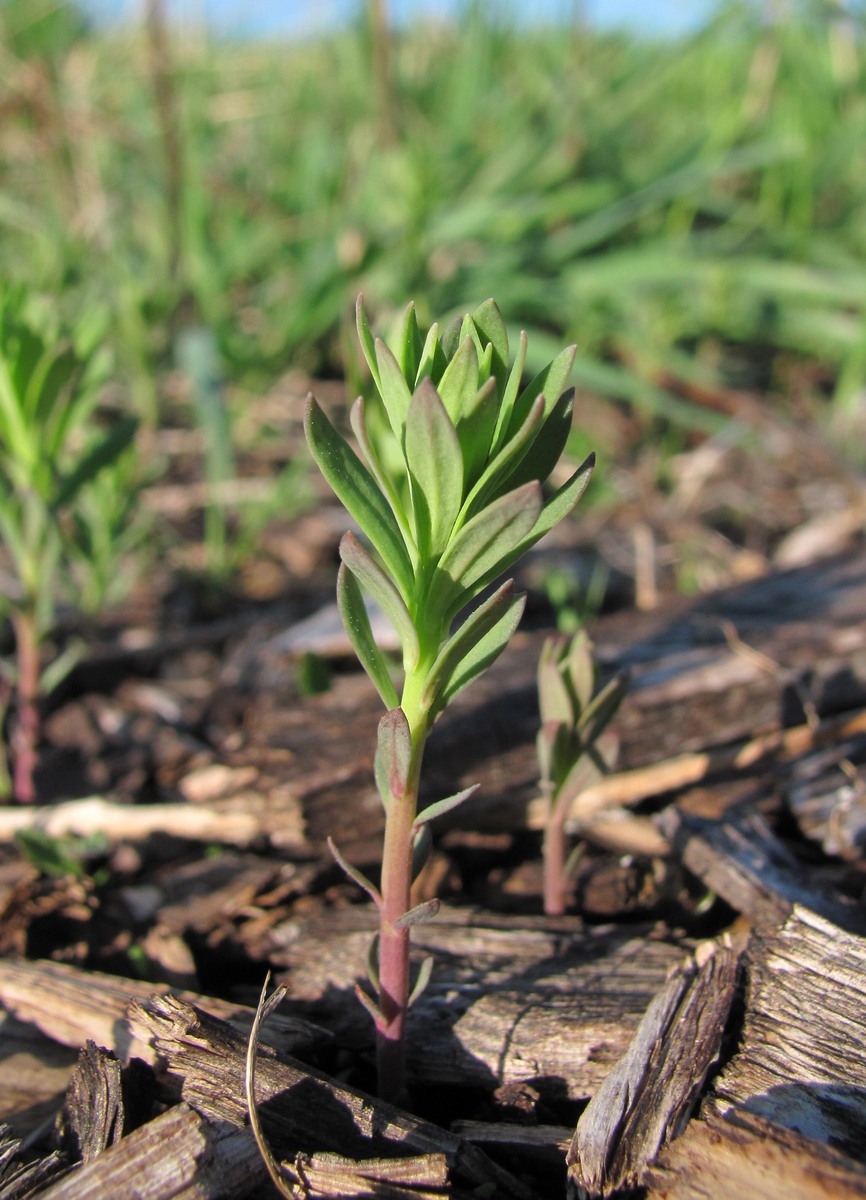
275	1169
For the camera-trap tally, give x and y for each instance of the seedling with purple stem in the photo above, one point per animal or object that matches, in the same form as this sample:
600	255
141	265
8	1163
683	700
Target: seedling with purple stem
574	747
475	449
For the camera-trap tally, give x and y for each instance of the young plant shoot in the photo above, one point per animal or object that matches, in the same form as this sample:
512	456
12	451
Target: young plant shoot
463	505
574	747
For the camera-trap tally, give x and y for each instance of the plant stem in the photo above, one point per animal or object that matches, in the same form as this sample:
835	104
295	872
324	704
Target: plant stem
553	854
26	733
396	891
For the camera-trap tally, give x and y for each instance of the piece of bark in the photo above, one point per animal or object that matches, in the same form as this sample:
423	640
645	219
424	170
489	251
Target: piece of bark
825	791
548	1002
301	1110
540	1143
649	1095
93	1113
742	860
176	1156
802	1061
752	1158
332	1177
34	1074
19	1180
71	1006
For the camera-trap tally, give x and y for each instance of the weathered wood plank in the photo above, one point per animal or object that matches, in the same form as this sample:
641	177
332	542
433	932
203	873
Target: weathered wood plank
550	1003
72	1006
745	863
802	1063
647	1098
301	1110
752	1158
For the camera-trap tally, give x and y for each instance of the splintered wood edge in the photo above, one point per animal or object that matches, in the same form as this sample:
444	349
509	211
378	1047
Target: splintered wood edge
649	1095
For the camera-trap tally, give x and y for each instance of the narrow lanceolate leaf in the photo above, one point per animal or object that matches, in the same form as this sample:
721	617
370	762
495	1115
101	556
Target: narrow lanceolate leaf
489	539
365	337
354	613
356	488
554	698
435	468
549	383
410	345
545	450
580	666
394	752
601	711
494	477
460	382
475	430
422	844
488	321
429	354
355	874
393	388
485	652
368	573
467	636
424	973
443	806
509	396
557	507
358	421
419	915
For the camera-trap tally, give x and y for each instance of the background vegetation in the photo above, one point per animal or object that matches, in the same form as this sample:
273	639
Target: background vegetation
691	213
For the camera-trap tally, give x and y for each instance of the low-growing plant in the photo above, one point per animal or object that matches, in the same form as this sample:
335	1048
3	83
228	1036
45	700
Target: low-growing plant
575	747
477	448
52	449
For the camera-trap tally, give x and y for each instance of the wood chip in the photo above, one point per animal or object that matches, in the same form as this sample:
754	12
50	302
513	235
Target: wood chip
648	1097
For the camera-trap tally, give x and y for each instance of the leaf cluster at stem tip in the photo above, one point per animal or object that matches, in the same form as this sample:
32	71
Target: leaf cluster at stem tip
475	448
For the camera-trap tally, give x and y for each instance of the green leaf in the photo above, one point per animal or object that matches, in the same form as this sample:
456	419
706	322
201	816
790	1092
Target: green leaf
429	353
355	874
458	385
365	337
602	709
410	345
545	449
393	388
509	396
488	320
475	430
483	544
356	488
548	383
443	806
435	468
382	589
393	754
476	625
485	651
358	421
419	915
451	338
554	698
103	454
558	506
580	669
495	475
424	973
354	613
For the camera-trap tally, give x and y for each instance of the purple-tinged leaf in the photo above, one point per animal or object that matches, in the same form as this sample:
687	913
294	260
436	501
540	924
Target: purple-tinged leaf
443	806
419	915
355	875
394	753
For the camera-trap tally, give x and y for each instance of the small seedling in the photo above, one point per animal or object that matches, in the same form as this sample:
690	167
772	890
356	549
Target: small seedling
52	450
575	747
475	449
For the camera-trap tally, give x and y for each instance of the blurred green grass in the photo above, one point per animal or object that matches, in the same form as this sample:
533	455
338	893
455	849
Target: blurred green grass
691	213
